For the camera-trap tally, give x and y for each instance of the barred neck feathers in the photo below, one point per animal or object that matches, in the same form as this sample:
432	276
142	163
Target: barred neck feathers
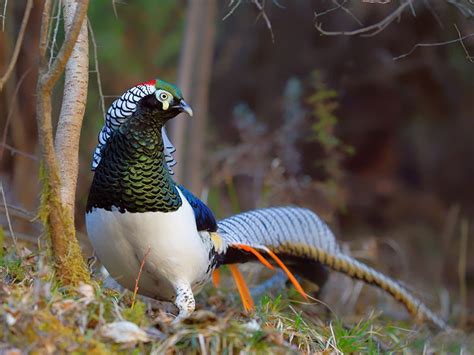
132	175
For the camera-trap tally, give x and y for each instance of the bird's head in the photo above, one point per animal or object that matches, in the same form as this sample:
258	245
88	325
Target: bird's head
163	100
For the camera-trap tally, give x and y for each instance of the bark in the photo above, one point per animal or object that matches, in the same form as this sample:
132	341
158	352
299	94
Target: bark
54	212
72	109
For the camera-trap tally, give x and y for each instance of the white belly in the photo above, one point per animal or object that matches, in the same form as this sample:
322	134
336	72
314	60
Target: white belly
167	242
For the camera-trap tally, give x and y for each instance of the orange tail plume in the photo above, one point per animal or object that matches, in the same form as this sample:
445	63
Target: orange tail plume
293	280
244	292
256	253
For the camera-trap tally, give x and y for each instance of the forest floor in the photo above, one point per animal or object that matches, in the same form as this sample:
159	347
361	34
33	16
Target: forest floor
37	316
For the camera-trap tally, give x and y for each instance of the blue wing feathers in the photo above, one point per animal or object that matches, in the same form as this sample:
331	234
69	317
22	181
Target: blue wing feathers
205	220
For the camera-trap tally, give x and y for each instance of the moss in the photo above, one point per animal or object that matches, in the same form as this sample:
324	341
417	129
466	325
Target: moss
136	313
45	332
71	269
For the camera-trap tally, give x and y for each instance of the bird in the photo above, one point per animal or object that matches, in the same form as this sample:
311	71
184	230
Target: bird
155	236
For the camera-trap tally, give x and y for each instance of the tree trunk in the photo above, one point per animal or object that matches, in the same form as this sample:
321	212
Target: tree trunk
57	205
202	80
194	79
72	109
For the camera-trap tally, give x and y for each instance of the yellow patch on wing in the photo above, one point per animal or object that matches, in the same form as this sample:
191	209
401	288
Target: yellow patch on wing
217	241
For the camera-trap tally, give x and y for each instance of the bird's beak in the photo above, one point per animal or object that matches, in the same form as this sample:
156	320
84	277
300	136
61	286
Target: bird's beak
184	107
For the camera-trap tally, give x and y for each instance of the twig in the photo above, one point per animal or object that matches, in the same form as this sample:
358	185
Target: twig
49	78
8	219
371	30
23	237
115	8
4	15
135	290
19	212
233	8
97	72
412	8
327	11
460	39
347	11
44	32
55	33
19	41
260	6
462	272
433	13
463	9
468	56
17	151
10	111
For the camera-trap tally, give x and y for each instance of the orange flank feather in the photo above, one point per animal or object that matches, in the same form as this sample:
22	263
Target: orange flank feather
254	252
244	292
239	279
216	278
293	280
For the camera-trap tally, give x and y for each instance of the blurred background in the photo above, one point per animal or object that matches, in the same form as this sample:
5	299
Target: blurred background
380	147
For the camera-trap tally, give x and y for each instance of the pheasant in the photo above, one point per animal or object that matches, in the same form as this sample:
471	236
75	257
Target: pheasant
140	222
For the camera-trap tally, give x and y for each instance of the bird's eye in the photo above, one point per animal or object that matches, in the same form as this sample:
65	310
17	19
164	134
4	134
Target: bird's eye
163	96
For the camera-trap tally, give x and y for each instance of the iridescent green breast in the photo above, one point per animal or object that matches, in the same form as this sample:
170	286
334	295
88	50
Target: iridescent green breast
132	175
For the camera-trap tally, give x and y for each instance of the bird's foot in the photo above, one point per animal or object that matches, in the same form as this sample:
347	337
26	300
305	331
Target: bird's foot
184	301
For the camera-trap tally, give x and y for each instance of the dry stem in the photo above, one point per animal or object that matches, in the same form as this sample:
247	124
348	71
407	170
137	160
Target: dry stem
135	290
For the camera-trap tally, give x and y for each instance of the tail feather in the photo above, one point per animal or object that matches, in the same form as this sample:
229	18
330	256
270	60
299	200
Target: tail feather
298	234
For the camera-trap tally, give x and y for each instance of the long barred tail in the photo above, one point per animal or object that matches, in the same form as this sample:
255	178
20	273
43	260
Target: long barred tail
299	235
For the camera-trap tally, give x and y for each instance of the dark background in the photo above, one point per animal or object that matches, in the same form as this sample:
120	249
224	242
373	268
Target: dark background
391	169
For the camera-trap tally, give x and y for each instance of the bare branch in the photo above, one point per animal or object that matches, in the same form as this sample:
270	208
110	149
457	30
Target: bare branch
4	15
18	212
49	78
433	13
2	191
263	14
347	11
10	111
43	41
22	236
371	30
468	56
13	150
19	41
233	8
55	33
436	44
97	72
463	9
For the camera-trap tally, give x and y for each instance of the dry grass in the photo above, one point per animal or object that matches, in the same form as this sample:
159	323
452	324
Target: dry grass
37	315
